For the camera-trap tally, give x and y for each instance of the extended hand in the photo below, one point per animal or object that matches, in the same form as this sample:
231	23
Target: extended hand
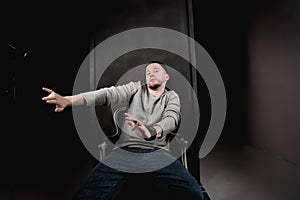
54	98
137	126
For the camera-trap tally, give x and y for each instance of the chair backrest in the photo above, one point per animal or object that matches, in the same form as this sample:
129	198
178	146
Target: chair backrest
118	117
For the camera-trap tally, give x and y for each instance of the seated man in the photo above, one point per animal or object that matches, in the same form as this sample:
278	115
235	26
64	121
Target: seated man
153	112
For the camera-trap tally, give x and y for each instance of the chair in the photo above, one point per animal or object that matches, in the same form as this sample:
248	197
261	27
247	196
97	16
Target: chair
118	118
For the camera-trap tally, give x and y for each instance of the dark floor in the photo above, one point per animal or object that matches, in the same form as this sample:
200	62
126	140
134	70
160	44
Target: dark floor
229	172
246	173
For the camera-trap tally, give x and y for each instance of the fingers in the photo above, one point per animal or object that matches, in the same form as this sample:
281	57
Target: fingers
132	121
51	96
127	115
51	101
132	125
47	90
57	109
131	118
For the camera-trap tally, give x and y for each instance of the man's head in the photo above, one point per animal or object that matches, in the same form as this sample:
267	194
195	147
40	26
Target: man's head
156	75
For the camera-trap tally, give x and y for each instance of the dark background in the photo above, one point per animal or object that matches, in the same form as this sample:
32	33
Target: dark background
41	153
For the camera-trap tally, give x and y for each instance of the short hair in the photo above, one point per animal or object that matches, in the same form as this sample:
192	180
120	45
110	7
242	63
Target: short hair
163	65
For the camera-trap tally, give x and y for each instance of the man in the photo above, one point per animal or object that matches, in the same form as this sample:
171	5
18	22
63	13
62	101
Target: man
152	113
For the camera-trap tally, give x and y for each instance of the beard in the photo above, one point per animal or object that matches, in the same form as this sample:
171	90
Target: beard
154	86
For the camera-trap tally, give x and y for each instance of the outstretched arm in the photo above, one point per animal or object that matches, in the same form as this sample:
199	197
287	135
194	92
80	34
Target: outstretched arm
103	96
62	102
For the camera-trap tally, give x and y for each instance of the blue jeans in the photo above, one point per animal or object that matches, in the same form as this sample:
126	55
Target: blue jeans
142	168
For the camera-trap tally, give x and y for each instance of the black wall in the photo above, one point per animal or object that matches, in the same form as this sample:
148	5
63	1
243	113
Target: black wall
42	153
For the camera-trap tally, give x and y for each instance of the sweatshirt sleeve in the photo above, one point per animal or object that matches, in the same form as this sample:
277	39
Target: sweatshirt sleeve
172	115
113	94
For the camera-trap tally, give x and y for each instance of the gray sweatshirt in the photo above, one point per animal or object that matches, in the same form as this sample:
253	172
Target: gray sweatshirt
163	111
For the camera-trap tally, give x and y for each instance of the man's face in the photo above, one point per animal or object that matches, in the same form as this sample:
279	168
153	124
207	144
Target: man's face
156	76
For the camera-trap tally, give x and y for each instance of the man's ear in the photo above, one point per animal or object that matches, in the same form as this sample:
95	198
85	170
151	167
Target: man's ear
167	77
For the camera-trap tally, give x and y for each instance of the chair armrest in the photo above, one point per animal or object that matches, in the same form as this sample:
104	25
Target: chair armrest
183	147
102	147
